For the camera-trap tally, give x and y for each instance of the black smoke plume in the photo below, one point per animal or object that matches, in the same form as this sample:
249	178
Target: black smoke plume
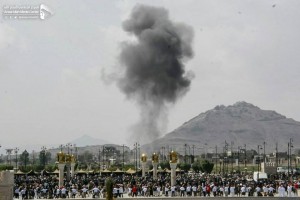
154	74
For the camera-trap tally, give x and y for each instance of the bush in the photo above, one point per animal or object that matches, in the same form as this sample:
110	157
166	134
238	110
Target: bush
109	188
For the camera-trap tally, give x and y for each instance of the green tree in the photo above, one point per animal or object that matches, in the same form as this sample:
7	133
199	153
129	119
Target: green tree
86	157
184	166
207	166
24	158
197	167
109	188
164	165
44	157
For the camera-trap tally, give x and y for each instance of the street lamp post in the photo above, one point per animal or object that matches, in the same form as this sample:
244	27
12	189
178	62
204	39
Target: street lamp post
69	145
136	146
290	146
239	149
16	152
216	159
123	159
245	156
193	158
8	158
103	153
258	156
25	157
44	155
264	151
185	160
99	159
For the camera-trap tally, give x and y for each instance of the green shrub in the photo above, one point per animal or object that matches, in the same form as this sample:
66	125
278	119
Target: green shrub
109	188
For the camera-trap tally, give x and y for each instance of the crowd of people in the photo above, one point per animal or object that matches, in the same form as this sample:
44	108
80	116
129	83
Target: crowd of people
125	185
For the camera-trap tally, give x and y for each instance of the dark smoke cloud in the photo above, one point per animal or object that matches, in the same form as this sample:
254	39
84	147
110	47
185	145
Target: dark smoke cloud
154	73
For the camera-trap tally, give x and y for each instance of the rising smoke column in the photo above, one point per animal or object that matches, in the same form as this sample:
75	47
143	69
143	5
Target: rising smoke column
154	74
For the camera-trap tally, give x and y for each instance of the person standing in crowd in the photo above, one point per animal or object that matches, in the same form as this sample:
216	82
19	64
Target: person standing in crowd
173	188
166	190
17	192
232	190
204	190
84	191
258	191
73	192
158	189
63	192
243	190
194	189
134	191
96	192
265	190
281	190
226	190
121	190
188	190
23	192
215	190
289	190
182	191
271	191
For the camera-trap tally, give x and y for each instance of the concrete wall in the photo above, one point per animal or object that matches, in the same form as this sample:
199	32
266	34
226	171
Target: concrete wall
6	185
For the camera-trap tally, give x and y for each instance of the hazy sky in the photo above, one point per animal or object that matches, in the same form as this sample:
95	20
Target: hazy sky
52	88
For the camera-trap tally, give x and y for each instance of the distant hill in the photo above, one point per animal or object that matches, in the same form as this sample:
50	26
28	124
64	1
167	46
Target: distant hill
241	123
87	140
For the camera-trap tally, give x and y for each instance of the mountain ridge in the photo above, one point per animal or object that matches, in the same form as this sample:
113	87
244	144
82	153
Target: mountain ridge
241	123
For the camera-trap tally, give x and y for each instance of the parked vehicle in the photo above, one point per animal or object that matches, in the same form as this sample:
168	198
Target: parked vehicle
257	176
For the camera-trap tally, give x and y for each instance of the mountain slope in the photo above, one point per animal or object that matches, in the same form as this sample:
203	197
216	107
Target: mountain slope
241	123
87	140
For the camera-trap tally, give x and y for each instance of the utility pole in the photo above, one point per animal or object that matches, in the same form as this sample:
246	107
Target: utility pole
276	154
239	149
103	154
216	160
193	160
123	159
16	152
231	146
99	159
258	156
264	152
185	145
290	145
245	156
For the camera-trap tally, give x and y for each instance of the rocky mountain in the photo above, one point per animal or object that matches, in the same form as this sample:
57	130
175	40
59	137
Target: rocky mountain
239	124
87	140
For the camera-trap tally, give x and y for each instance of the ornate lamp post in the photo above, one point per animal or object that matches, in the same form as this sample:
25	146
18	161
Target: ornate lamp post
73	162
173	164
61	162
155	159
144	162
